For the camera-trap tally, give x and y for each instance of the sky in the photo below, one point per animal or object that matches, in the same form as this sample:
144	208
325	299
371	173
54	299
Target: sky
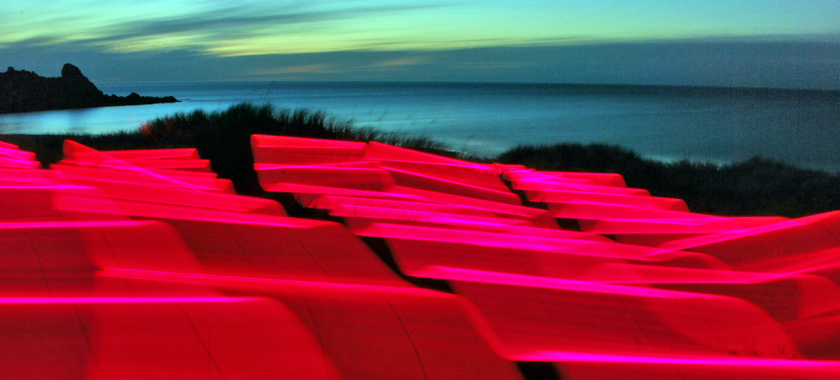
745	43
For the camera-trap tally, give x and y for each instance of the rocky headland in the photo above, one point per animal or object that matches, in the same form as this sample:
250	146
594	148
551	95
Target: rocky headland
25	91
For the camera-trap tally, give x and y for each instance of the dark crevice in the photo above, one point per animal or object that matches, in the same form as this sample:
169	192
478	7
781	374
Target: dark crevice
295	209
538	370
430	283
564	223
568	224
524	198
380	247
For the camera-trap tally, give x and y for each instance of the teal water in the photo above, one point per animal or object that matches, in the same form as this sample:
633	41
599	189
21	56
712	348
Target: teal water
668	123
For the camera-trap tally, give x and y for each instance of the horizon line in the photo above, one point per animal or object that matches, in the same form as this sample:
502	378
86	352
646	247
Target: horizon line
441	82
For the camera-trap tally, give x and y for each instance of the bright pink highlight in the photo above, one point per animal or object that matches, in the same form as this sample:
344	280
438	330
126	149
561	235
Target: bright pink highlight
550	283
151	154
115	300
725	362
208	278
16	154
8	146
8	162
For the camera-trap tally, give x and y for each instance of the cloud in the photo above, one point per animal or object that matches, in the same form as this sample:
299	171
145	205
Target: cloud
217	28
411	61
319	68
226	22
399	62
784	63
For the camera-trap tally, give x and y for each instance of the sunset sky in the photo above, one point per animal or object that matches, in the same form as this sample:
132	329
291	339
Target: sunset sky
757	43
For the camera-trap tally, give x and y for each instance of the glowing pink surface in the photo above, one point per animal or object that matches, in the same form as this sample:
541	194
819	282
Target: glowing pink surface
205	183
9	162
149	154
6	145
560	196
17	154
211	278
132	264
551	283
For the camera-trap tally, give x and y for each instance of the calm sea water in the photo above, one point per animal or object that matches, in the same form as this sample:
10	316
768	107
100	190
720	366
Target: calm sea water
801	128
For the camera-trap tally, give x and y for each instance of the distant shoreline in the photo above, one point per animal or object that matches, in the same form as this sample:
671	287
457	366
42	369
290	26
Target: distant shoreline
632	88
25	91
85	108
487	119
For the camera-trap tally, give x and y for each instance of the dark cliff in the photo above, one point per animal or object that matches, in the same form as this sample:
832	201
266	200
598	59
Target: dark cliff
25	91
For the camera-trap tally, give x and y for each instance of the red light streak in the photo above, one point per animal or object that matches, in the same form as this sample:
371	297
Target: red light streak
206	183
517	173
71	148
417	180
71	224
560	196
197	165
16	163
740	233
267	141
422	216
379	151
297	284
473	174
642	274
500	278
18	175
504	208
583	246
93	205
551	185
149	154
618	225
368	179
45	187
17	154
153	193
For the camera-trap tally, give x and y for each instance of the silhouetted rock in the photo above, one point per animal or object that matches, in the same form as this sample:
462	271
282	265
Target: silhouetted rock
70	71
25	91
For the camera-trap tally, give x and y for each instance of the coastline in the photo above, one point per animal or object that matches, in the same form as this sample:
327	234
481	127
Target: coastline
25	91
486	120
757	186
150	102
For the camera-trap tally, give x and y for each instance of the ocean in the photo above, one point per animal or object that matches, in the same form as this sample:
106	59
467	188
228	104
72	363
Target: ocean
665	123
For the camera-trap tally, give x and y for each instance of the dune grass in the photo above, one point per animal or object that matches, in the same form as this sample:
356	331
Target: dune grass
223	137
754	187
